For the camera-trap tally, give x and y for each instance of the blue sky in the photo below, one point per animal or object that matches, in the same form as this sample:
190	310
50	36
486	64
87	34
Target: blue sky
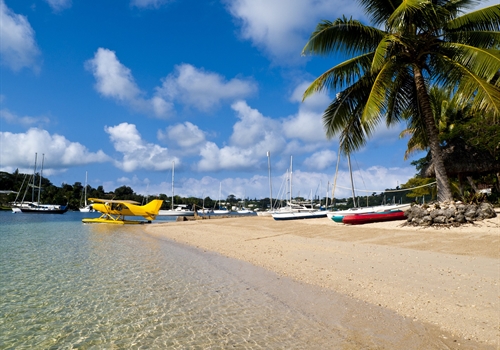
124	89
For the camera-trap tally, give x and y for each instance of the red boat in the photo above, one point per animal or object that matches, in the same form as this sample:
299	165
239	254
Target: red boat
358	219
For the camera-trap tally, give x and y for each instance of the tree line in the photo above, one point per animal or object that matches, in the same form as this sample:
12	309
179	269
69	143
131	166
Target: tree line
73	195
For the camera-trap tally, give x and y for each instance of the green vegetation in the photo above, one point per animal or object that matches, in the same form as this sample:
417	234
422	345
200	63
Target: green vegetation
73	195
411	46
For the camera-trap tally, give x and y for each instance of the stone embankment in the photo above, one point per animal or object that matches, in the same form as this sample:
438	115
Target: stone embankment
448	213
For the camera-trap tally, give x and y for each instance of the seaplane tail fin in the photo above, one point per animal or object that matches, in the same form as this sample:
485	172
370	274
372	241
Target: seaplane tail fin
152	208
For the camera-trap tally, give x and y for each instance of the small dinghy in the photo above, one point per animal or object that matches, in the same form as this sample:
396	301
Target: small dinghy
366	218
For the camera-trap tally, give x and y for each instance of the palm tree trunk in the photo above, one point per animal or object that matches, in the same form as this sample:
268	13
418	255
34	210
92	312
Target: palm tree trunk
443	185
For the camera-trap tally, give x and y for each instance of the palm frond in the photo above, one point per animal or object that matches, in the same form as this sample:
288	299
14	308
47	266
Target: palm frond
341	75
379	10
471	88
347	35
485	19
402	101
376	103
416	13
484	63
479	39
343	116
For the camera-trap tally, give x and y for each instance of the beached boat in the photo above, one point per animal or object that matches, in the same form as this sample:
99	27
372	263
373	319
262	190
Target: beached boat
297	215
297	211
339	214
178	210
366	218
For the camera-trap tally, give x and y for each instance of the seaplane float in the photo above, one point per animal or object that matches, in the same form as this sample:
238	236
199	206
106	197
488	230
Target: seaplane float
114	211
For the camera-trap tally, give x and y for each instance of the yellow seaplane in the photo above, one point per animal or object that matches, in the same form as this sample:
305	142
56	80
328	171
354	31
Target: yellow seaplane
114	211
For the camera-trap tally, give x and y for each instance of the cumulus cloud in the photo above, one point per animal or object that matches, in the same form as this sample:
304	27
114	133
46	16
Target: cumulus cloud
188	85
186	135
60	153
138	154
307	124
18	49
321	160
59	5
114	80
26	121
253	135
203	90
280	28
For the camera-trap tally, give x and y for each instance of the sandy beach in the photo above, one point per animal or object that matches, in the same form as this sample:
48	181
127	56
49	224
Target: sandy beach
446	279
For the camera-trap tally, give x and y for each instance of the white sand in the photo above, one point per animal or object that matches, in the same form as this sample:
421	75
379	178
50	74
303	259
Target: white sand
448	277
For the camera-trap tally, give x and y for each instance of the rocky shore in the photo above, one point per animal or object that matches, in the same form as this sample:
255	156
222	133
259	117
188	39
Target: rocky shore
448	213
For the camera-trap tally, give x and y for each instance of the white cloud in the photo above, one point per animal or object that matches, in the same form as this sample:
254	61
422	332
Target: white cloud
114	80
203	90
138	154
253	130
321	160
253	136
18	48
60	153
59	5
152	4
11	118
281	28
307	124
186	135
228	157
187	85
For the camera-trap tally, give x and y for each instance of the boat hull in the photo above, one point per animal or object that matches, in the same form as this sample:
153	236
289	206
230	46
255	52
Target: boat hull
176	213
298	216
359	219
44	210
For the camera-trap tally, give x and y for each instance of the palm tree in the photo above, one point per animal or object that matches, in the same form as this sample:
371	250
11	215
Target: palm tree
448	113
422	43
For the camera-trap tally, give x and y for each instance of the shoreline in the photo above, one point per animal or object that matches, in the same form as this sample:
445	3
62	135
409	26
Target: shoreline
446	277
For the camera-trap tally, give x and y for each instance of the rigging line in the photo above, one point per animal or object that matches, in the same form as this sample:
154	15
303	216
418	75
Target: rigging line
336	173
401	190
360	175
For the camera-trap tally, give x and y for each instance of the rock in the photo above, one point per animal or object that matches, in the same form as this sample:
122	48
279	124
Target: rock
440	219
448	213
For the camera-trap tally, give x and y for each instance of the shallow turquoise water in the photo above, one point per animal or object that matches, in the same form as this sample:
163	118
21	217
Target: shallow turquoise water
65	285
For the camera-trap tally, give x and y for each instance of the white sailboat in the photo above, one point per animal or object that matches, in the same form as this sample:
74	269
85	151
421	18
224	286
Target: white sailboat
87	208
179	209
295	211
220	209
268	212
35	207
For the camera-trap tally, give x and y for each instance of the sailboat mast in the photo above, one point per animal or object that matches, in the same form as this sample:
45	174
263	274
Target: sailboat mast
85	190
291	157
34	175
270	182
40	182
352	181
173	166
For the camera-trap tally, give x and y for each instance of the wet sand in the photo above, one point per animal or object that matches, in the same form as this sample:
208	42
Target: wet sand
402	287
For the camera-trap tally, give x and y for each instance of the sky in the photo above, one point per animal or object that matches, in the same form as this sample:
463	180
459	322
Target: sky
126	90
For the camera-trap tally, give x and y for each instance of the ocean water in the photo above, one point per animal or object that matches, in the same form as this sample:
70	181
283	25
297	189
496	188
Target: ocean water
68	285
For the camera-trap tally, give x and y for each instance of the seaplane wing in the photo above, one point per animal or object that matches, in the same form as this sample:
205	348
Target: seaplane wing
117	209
